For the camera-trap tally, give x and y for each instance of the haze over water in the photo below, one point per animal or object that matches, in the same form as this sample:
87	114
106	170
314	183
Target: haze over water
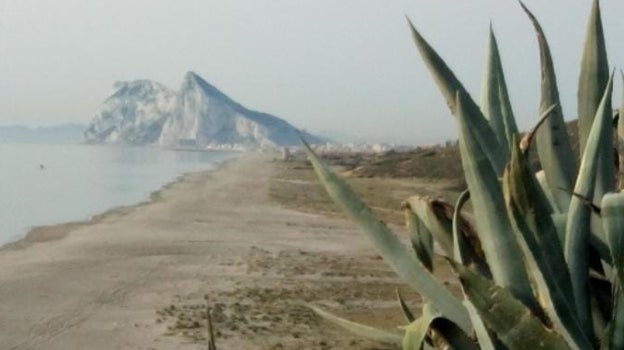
50	184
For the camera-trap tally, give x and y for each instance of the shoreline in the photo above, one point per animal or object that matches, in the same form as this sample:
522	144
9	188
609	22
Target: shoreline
138	277
57	231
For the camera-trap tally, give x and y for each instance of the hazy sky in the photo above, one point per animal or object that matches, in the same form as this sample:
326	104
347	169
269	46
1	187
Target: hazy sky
345	66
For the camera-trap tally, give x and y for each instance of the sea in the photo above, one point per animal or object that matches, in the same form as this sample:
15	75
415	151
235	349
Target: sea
45	184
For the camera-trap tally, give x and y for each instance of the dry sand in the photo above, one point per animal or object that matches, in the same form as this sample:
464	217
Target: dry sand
136	277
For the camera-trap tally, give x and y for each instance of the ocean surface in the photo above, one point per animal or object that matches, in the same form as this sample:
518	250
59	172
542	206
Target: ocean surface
53	183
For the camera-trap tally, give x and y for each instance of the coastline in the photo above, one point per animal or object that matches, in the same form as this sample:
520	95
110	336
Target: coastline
134	277
57	231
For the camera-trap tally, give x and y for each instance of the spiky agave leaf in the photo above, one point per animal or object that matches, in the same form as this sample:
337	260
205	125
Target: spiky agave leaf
541	180
577	238
421	238
358	328
394	252
435	215
416	332
560	220
553	143
613	220
449	85
495	232
594	75
444	334
484	337
495	102
409	316
460	247
514	324
529	213
592	83
527	139
466	244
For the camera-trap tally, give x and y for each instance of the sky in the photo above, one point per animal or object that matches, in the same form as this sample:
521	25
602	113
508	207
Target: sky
344	68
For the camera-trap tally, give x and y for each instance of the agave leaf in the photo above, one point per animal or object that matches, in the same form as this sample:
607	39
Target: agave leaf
592	83
409	316
514	324
529	213
602	288
614	335
459	246
466	245
421	238
578	224
588	202
594	75
527	139
495	232
436	216
449	85
485	339
596	227
444	333
599	318
364	331
596	243
541	180
524	147
553	143
613	220
495	102
620	137
416	332
560	220
601	247
404	263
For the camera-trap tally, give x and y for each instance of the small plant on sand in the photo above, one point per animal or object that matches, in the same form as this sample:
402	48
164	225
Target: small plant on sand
540	259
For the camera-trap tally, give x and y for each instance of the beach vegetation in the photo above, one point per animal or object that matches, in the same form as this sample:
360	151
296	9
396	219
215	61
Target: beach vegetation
540	254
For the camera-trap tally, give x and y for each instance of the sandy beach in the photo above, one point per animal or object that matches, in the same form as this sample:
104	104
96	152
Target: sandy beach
140	277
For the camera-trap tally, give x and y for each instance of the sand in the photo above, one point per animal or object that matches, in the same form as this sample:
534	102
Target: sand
136	277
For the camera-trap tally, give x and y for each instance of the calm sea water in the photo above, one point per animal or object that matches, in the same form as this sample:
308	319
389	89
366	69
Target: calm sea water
50	184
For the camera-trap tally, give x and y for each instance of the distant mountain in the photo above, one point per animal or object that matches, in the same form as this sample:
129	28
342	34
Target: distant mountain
198	115
62	133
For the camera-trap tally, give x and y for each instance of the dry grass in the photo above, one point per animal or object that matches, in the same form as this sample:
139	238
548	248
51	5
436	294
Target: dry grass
372	177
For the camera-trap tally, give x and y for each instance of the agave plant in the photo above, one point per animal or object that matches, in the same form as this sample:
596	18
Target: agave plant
540	258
